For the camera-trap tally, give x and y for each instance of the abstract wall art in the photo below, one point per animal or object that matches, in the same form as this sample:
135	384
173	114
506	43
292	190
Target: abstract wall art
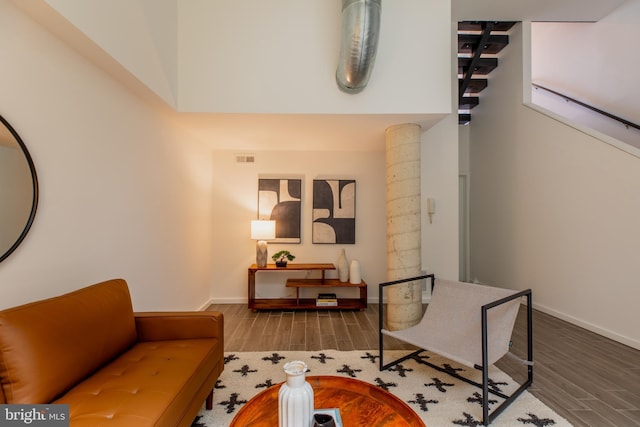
334	211
281	200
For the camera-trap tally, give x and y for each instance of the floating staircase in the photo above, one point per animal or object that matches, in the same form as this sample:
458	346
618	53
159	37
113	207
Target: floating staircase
479	43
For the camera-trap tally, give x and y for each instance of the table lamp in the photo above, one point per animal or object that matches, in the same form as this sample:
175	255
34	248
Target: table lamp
262	230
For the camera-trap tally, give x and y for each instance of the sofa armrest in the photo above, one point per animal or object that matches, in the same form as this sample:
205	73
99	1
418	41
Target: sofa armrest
160	326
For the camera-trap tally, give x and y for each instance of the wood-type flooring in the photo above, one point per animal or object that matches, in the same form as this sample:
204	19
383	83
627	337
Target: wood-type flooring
588	379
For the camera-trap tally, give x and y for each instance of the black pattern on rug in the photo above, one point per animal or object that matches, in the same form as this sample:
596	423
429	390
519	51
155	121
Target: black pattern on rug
437	398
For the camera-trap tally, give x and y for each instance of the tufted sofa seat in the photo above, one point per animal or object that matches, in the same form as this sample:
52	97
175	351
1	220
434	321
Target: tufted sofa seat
113	367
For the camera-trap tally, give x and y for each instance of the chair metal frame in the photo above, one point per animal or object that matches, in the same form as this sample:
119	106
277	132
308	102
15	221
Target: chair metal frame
487	417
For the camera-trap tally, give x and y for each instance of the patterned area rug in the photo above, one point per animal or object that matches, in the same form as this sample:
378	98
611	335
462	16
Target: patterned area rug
438	398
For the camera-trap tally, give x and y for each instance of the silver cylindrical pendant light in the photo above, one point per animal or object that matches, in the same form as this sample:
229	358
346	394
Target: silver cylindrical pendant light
359	43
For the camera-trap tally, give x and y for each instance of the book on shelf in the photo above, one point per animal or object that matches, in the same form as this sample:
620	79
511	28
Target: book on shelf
333	303
326	296
326	300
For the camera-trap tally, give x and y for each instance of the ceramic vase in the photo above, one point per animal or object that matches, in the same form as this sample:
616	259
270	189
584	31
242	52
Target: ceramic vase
295	398
261	254
355	276
343	267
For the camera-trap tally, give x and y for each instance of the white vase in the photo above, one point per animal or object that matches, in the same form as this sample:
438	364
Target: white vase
343	267
355	276
295	398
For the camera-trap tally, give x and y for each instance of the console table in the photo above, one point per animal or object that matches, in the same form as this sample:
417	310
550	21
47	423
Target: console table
304	303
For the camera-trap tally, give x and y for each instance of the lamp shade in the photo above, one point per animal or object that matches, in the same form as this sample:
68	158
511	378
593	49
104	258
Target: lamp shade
263	230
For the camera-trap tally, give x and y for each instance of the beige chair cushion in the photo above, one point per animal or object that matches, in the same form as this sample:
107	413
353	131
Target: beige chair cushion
452	323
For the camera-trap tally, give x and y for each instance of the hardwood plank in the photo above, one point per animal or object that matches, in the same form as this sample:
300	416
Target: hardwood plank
282	336
312	332
612	416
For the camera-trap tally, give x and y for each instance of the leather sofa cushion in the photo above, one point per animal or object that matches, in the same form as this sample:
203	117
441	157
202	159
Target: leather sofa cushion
48	346
146	385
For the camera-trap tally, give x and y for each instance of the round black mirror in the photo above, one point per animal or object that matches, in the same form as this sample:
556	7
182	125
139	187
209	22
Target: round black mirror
18	190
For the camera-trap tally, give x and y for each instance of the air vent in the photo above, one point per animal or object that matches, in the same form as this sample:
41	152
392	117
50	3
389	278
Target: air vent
245	158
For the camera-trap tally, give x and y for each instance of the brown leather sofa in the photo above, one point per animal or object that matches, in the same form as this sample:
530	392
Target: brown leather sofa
112	366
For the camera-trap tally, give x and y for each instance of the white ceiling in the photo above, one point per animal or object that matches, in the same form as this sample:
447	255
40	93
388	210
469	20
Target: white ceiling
533	10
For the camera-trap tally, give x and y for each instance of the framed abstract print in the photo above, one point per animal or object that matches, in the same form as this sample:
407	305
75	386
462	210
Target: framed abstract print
334	211
280	199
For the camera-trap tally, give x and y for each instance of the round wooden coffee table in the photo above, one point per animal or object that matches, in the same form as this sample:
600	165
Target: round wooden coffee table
360	404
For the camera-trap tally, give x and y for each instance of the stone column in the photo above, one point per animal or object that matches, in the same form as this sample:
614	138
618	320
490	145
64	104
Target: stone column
404	258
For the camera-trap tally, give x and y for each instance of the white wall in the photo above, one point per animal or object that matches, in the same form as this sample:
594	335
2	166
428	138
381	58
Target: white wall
263	57
589	75
253	56
441	167
142	35
235	196
439	180
123	192
553	209
596	64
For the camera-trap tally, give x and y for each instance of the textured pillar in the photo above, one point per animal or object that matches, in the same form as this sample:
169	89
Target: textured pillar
404	259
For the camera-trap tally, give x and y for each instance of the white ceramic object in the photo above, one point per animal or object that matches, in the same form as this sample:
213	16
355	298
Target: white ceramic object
343	267
295	398
355	276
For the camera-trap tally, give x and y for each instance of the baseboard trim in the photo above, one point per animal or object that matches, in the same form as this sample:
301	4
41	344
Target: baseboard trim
589	326
425	300
206	305
228	301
